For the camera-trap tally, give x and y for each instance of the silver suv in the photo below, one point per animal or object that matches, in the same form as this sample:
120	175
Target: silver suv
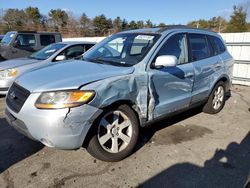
126	81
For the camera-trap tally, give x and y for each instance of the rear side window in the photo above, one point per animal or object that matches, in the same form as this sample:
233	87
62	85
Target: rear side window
218	45
199	46
25	40
47	39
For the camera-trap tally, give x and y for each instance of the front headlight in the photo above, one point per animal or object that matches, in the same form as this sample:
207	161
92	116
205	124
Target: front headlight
63	99
8	73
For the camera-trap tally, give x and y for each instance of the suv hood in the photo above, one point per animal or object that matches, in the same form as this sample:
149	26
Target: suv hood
68	75
8	64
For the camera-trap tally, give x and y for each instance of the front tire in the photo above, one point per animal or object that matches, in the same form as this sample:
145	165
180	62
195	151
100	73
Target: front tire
216	100
114	135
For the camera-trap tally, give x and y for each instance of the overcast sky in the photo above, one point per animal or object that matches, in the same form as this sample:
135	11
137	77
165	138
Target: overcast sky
168	11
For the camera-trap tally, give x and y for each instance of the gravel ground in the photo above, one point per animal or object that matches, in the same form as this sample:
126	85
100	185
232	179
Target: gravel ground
191	149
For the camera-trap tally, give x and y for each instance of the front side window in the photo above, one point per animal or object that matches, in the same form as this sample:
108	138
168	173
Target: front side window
47	39
199	46
25	40
125	49
73	51
177	46
8	37
46	52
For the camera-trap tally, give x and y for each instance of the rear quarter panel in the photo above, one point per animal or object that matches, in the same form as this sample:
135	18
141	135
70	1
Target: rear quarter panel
228	67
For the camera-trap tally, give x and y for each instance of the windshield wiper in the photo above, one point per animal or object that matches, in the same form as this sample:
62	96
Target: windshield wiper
115	63
104	61
94	60
31	57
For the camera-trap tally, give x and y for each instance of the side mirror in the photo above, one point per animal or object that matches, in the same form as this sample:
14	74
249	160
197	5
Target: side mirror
60	58
165	61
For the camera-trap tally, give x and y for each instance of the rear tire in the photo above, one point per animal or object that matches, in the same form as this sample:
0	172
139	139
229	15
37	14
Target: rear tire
114	135
216	100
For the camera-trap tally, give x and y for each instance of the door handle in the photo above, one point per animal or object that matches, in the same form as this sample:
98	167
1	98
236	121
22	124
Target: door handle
189	75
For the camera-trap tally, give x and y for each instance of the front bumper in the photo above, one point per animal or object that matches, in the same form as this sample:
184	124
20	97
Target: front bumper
62	128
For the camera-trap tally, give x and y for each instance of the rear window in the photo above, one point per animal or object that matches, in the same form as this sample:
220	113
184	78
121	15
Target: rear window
199	46
218	45
47	39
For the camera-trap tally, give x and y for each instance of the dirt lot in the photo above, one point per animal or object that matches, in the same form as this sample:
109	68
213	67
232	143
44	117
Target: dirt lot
192	149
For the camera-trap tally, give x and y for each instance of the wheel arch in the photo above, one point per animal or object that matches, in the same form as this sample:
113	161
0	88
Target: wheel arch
224	78
129	103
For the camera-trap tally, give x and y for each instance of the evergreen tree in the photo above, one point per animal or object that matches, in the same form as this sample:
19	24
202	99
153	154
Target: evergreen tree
124	24
33	15
149	24
133	25
102	25
117	24
140	24
85	21
238	22
59	17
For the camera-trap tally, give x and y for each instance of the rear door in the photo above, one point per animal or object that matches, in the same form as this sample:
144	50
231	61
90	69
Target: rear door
172	86
207	66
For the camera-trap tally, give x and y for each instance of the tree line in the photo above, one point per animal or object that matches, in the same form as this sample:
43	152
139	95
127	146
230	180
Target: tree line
237	22
65	22
70	25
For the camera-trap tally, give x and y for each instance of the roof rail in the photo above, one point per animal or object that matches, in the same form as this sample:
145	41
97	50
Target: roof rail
43	32
26	31
167	27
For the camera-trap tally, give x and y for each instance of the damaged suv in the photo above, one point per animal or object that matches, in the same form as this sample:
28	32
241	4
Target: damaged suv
124	82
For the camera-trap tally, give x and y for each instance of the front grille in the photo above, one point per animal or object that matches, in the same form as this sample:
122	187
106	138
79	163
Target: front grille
16	97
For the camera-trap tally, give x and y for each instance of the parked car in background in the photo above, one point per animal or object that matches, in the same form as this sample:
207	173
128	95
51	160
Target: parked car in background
53	53
23	43
1	37
126	81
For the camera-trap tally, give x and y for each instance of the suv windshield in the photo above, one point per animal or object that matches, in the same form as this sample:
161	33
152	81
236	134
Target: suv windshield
8	37
122	49
46	52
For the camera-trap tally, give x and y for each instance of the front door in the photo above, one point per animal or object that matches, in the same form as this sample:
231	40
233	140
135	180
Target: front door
172	86
24	45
